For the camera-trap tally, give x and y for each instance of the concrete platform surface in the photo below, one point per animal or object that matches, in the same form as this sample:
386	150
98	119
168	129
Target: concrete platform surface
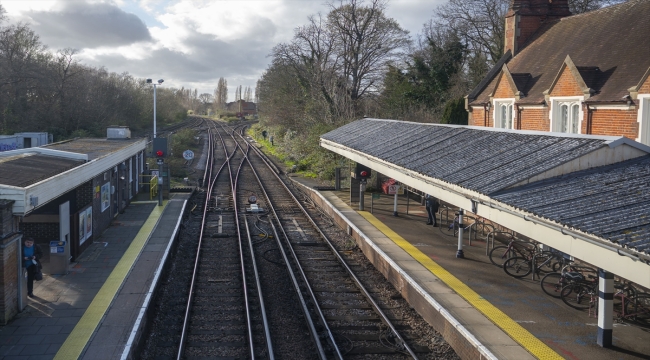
569	333
65	306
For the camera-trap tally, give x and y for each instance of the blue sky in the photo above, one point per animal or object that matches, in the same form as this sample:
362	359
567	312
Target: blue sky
189	43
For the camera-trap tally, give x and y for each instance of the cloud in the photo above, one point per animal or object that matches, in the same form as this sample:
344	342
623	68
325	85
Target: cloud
82	25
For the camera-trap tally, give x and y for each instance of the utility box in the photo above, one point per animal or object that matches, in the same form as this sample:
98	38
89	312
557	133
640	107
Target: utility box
59	257
118	132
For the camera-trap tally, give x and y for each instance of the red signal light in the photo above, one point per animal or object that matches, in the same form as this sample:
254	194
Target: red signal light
159	153
364	173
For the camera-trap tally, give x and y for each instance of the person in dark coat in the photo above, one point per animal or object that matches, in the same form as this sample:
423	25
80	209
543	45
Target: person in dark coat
432	206
32	255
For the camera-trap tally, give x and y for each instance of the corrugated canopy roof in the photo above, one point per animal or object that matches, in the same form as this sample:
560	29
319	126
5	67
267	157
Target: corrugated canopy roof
612	202
480	159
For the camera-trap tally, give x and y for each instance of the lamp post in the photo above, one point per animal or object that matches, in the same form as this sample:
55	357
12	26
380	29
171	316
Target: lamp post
160	161
149	81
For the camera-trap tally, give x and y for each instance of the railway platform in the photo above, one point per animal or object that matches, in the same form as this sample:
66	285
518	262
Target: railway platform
480	310
95	311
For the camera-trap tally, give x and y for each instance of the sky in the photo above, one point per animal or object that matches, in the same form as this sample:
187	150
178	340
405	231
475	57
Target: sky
188	43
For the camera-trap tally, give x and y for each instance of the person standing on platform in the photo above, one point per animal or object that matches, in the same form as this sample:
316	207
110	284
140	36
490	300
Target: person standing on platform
432	206
32	255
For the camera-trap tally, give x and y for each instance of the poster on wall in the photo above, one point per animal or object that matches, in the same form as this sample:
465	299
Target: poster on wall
89	222
82	227
106	192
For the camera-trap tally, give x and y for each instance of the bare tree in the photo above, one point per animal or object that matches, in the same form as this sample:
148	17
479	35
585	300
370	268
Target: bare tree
248	94
366	41
221	94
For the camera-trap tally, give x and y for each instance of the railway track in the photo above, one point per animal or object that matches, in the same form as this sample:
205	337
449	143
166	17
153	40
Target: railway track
272	278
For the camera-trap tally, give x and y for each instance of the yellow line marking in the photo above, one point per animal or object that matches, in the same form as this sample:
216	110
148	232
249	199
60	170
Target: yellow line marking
78	338
527	340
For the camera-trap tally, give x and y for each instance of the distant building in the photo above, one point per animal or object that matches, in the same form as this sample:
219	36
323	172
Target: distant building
243	107
24	140
584	74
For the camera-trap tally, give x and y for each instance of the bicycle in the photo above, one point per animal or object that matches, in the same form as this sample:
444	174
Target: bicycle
581	294
633	306
499	254
481	227
520	266
552	283
454	225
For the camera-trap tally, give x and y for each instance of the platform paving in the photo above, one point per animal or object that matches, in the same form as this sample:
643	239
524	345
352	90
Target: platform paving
60	301
570	333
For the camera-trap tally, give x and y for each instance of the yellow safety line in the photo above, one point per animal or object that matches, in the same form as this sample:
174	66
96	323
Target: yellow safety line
527	340
78	338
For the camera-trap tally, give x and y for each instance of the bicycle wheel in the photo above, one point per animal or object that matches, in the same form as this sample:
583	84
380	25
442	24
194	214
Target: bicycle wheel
517	267
576	296
552	284
499	254
449	229
638	309
484	229
544	262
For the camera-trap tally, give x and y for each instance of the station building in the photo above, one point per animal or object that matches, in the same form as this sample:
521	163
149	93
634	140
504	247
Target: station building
582	74
68	192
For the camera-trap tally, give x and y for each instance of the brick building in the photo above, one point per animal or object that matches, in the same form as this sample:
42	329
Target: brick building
243	107
583	74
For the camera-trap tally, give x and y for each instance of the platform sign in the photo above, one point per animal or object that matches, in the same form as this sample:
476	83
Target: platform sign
188	154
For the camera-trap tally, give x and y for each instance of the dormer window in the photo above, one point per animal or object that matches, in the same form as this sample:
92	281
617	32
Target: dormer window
566	115
504	113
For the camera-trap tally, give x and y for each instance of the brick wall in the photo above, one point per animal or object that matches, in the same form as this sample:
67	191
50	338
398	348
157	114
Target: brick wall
615	122
84	195
503	89
535	119
41	232
566	85
476	117
9	247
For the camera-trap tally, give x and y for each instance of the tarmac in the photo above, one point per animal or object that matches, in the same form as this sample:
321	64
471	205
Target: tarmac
517	307
90	313
97	310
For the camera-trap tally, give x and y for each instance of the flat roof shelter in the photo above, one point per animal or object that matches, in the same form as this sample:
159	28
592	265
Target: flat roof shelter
32	177
587	196
68	191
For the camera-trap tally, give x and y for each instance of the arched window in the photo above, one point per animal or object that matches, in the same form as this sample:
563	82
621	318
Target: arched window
504	114
566	116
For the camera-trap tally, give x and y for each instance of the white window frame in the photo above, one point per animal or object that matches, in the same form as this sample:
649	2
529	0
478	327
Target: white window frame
497	104
555	114
643	117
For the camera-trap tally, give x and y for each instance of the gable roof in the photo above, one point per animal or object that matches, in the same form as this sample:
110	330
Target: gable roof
609	44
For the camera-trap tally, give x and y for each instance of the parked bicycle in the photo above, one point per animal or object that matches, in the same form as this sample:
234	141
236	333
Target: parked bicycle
537	263
452	228
582	293
552	283
500	254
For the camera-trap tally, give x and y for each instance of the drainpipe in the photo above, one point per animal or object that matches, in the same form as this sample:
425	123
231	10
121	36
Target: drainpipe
518	116
589	120
486	108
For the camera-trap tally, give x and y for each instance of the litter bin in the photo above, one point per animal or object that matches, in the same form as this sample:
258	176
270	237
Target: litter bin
59	257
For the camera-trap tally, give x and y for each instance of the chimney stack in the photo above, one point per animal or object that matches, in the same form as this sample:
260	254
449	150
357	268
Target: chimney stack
524	17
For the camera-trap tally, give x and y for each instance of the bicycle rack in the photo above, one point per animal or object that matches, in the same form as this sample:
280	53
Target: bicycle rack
492	236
